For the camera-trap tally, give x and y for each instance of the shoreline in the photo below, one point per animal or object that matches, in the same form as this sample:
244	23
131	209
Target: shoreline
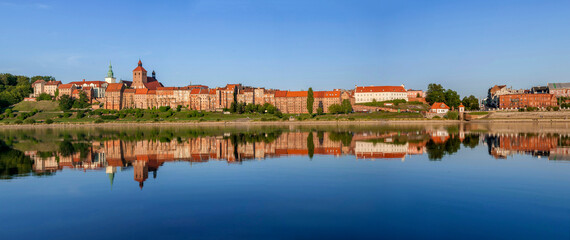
288	123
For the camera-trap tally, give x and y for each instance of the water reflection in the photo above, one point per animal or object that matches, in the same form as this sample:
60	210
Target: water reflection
145	150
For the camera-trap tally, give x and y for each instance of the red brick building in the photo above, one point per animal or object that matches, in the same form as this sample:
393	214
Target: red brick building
527	100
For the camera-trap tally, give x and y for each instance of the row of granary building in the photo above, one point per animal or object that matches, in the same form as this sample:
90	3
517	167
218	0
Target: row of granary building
503	97
146	92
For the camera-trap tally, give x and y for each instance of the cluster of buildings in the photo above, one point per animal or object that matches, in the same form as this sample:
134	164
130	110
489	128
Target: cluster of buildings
146	92
503	97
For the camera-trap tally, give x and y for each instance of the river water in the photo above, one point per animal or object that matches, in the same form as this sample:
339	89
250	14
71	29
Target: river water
468	181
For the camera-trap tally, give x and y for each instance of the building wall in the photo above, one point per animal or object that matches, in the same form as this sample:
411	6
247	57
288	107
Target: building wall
527	100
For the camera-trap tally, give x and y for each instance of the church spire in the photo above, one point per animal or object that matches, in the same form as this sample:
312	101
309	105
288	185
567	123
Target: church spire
110	72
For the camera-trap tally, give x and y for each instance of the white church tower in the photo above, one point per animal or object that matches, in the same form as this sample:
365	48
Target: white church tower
110	76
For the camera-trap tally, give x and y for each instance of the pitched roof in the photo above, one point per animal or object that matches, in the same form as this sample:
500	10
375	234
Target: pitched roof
326	94
380	89
53	83
114	87
439	105
141	91
151	92
39	81
65	86
153	85
280	93
297	94
130	90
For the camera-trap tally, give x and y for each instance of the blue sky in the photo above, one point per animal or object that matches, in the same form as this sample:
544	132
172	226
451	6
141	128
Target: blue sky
464	45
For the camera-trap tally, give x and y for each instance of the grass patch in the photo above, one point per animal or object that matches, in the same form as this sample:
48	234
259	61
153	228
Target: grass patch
40	105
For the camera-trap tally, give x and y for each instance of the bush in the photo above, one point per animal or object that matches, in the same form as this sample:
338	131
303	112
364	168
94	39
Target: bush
452	115
8	111
109	117
66	115
49	121
99	121
164	108
556	108
436	117
29	121
80	115
44	96
18	122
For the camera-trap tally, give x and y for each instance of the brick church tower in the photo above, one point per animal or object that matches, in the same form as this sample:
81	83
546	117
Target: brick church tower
139	77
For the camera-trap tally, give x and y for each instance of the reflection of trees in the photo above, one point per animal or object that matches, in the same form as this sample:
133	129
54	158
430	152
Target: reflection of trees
310	145
344	137
241	138
13	162
471	140
436	151
66	148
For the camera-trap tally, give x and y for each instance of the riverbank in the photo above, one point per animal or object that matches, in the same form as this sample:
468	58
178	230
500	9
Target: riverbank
280	123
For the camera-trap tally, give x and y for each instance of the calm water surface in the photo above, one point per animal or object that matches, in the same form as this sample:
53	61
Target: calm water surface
337	182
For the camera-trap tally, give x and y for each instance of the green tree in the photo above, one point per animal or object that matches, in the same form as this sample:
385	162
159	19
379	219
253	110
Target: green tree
310	101
452	98
335	109
346	106
65	102
435	93
471	103
44	96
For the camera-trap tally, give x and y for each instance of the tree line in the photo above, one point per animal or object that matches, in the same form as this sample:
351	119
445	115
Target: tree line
14	88
436	93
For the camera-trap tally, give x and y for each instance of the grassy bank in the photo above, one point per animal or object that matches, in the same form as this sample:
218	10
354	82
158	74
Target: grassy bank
47	112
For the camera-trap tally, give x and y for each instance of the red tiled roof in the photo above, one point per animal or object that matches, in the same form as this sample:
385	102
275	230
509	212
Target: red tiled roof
439	105
153	85
53	83
381	89
65	86
38	81
151	92
139	68
114	87
141	91
130	90
165	88
212	91
195	91
326	94
280	93
297	94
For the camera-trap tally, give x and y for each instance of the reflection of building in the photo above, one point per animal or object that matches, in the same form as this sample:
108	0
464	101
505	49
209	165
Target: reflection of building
380	150
502	146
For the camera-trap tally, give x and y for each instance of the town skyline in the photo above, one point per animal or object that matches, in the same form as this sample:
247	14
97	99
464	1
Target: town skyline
466	46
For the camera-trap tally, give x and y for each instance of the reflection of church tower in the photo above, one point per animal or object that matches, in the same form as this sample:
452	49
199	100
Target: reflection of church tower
139	76
140	171
110	76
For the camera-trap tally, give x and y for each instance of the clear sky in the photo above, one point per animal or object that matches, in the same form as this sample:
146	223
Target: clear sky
464	45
